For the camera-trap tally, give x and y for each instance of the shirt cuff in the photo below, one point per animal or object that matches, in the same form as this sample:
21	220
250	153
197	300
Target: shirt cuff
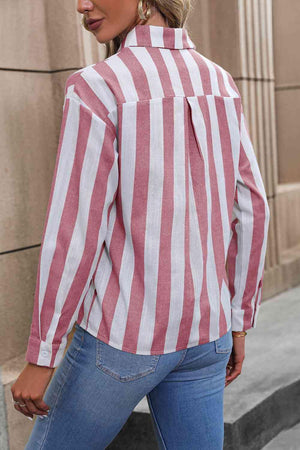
44	354
237	319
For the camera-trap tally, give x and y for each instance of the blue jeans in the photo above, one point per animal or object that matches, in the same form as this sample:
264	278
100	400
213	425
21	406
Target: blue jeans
96	387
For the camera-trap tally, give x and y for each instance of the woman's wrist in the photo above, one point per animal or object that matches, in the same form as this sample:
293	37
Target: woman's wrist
239	333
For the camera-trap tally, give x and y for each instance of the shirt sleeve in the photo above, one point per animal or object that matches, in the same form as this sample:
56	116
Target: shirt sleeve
83	189
249	230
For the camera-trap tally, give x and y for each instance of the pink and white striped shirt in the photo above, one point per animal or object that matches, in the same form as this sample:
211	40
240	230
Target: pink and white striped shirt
156	228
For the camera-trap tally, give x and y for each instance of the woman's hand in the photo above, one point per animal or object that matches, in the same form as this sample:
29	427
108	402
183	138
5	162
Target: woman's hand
234	367
29	389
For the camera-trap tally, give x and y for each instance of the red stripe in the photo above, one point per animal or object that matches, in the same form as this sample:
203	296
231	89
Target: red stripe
87	95
233	84
143	35
34	330
189	293
184	38
138	224
200	194
72	80
138	75
66	226
94	222
257	236
227	153
169	38
203	72
216	218
164	268
184	74
221	84
106	72
111	294
163	72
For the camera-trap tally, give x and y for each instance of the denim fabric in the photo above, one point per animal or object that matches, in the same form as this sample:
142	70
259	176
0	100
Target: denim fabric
96	387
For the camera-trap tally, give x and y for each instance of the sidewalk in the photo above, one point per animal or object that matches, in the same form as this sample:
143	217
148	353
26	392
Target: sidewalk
287	440
265	398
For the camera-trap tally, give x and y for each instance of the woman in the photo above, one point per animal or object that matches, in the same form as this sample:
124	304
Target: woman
156	187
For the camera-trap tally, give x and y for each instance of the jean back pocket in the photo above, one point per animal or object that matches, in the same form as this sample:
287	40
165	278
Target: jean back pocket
121	365
224	343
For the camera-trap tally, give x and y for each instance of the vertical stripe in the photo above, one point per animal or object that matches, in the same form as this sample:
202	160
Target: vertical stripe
95	169
183	74
35	329
163	292
138	76
189	293
196	253
178	225
213	221
200	194
138	223
164	75
203	72
67	220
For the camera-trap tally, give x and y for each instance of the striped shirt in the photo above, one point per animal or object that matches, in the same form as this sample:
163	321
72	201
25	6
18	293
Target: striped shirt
156	227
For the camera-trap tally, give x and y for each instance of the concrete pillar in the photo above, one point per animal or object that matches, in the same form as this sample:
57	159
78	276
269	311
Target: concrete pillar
238	35
42	45
287	96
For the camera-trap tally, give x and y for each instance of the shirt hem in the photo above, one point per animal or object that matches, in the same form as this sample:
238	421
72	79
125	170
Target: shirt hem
141	352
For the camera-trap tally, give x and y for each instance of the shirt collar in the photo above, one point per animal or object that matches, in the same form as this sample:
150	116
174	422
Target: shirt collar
157	36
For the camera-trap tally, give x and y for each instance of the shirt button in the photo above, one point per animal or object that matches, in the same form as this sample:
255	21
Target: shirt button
44	353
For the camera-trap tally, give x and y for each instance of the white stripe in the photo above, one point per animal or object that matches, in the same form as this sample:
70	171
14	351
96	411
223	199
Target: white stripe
193	69
124	76
196	257
63	175
211	275
102	277
128	145
178	37
175	78
153	225
99	86
178	227
157	36
213	76
219	165
234	131
230	90
88	301
225	300
150	71
244	241
77	243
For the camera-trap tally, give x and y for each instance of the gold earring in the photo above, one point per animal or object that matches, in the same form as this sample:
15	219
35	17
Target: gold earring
143	16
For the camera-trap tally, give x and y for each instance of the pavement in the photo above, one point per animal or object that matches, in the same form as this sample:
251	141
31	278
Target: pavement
286	440
265	398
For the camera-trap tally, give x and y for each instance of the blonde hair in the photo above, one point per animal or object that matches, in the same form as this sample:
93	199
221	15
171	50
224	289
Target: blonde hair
174	12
